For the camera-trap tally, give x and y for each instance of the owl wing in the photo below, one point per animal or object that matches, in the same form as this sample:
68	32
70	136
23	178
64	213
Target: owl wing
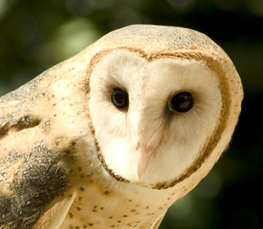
155	222
56	214
39	138
158	223
35	189
35	180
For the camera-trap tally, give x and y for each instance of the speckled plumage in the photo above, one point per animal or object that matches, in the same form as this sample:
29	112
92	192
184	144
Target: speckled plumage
54	172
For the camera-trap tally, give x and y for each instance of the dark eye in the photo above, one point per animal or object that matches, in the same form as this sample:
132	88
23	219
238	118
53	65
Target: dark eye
120	98
181	102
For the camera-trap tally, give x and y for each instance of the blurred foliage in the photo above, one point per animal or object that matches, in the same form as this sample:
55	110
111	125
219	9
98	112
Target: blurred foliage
38	34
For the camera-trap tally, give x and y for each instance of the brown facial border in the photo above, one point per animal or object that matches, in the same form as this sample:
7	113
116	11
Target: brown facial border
211	142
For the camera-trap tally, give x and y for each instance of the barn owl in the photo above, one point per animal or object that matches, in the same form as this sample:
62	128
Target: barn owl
113	136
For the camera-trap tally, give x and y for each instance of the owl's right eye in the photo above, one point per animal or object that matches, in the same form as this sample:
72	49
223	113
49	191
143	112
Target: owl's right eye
120	98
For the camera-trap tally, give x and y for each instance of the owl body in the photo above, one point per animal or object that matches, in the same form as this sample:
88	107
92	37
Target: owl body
115	135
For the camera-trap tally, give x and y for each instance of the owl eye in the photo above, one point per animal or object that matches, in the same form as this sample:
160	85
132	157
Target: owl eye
181	102
120	98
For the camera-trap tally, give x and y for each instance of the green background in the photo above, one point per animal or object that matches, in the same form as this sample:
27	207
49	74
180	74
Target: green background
35	35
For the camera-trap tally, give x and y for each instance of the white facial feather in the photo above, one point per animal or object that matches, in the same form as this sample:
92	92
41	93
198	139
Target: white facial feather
177	139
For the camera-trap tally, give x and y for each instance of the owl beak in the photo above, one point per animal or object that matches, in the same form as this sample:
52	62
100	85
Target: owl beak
145	153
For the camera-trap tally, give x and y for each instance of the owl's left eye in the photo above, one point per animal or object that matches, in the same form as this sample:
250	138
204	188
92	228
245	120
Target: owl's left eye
181	102
120	98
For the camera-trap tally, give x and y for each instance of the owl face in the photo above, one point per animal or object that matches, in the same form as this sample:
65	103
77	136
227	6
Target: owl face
153	118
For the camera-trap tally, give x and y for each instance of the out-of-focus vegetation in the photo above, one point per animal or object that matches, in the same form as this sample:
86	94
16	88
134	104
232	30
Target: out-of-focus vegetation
38	34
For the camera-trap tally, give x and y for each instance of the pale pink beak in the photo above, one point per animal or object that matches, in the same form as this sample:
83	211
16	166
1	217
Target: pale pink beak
145	153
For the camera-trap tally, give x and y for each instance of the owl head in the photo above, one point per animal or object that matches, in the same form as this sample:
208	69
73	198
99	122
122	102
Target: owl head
163	104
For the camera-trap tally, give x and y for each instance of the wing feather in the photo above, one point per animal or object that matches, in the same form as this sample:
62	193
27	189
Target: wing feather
154	222
29	184
55	215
